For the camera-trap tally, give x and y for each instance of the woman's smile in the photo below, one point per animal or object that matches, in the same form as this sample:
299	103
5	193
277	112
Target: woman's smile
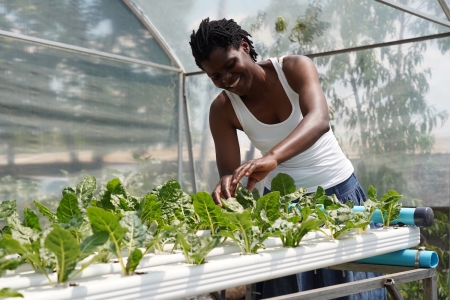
234	84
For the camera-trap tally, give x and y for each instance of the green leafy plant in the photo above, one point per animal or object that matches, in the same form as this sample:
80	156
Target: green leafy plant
340	217
10	293
387	205
68	252
195	248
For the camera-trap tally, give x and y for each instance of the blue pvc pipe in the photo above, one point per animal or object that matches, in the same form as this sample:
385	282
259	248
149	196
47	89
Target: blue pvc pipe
407	258
418	216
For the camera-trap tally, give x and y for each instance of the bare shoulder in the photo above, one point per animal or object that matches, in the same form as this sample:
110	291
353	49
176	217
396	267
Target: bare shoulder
299	71
221	112
298	64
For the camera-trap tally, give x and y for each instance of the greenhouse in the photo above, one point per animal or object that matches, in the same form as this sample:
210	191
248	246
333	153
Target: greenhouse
98	91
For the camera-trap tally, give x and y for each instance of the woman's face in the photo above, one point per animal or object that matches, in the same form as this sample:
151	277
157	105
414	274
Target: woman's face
230	69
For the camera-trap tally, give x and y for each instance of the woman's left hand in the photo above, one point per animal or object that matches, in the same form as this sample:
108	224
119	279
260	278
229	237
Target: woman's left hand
255	169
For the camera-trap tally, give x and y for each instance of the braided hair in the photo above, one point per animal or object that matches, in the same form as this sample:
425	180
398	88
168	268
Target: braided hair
218	34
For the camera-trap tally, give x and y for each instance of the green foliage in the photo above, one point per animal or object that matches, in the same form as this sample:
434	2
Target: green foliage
9	293
66	250
195	248
208	212
239	227
387	205
121	222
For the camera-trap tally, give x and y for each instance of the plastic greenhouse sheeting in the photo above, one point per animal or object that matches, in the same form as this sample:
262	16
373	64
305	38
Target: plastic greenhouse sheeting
102	25
176	20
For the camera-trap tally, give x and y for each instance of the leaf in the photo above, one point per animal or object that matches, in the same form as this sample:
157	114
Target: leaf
133	260
9	293
255	194
207	210
245	198
91	243
196	248
7	208
105	221
46	212
151	210
31	219
283	183
9	263
110	198
85	189
390	196
68	207
240	229
270	203
372	194
21	233
135	234
66	249
232	205
169	195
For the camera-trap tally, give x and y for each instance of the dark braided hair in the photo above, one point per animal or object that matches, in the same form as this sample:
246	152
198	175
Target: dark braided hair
218	34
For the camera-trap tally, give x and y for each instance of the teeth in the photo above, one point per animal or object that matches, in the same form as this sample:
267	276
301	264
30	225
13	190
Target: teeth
236	82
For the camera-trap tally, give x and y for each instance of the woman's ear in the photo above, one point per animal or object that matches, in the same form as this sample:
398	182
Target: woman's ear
245	46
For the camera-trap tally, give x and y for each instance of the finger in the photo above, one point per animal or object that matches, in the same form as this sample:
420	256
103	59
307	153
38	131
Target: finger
216	195
251	184
216	199
226	189
244	170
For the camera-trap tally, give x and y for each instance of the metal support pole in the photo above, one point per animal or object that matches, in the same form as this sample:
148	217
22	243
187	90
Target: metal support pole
180	128
415	12
189	138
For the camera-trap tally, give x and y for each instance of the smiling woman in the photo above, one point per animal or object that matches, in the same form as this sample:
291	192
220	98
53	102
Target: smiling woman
279	104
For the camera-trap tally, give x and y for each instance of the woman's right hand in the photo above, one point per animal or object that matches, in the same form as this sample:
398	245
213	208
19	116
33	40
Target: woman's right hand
223	190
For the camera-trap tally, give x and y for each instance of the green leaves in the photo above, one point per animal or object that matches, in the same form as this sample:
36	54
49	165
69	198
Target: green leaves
196	248
283	183
7	208
68	208
207	210
240	228
133	261
105	221
119	221
46	212
387	205
135	234
9	293
66	249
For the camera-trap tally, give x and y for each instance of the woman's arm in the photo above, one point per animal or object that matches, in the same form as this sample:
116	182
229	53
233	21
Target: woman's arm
222	122
303	78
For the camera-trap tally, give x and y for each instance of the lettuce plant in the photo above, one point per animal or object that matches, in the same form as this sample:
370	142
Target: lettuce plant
387	205
340	217
195	248
240	228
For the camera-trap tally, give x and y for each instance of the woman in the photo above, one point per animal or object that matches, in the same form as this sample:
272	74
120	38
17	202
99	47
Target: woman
281	107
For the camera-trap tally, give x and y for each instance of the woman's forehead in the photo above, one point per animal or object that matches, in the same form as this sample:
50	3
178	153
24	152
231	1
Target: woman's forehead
218	58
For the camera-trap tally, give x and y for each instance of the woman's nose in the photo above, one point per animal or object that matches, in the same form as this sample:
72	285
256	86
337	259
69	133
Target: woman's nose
226	78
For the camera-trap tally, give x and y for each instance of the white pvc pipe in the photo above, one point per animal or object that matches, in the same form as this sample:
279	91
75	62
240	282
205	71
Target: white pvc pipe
17	280
178	280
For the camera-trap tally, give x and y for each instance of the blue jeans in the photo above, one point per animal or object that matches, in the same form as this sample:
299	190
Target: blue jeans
350	189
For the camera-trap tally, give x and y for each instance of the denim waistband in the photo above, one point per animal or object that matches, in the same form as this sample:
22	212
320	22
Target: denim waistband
339	189
344	187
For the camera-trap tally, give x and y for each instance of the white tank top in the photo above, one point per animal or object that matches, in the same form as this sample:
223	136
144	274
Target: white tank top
323	164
